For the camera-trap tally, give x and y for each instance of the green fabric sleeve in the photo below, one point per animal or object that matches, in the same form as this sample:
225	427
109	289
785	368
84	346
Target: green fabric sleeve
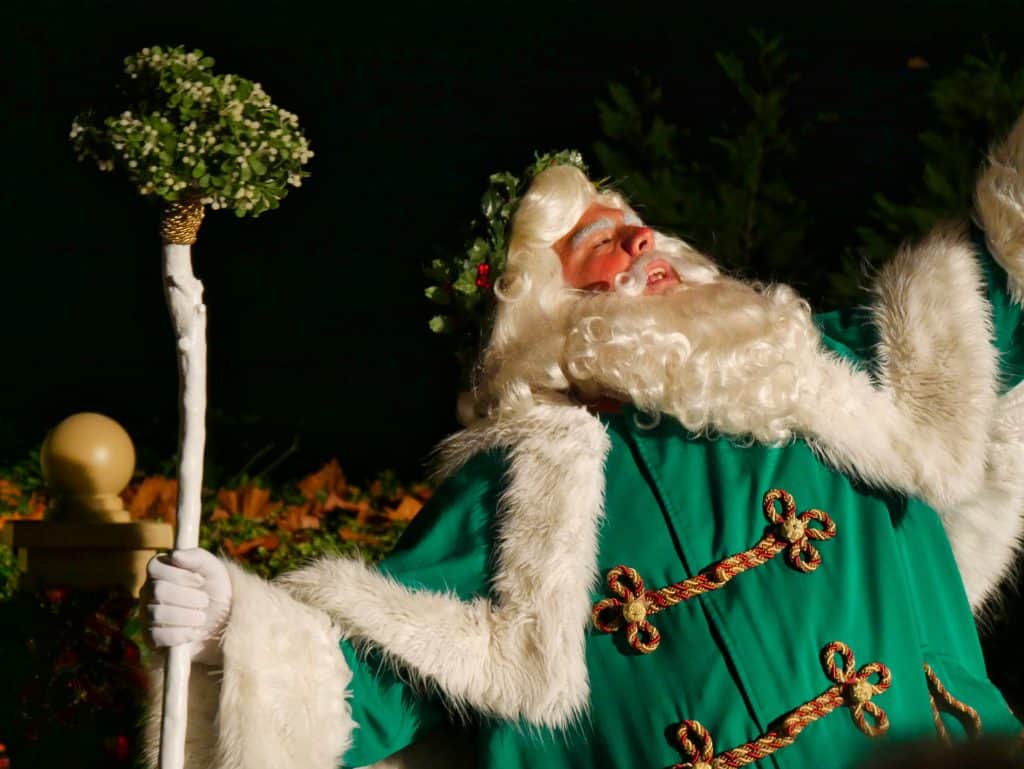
446	548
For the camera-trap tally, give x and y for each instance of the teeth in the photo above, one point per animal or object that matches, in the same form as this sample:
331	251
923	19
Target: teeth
656	275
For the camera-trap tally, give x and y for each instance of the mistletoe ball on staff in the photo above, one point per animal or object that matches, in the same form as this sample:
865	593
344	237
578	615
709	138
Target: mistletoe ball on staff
188	138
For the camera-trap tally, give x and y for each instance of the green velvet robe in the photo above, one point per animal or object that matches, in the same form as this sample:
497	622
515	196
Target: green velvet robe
736	659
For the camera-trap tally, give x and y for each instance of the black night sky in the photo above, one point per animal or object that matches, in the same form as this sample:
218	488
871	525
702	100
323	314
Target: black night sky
317	317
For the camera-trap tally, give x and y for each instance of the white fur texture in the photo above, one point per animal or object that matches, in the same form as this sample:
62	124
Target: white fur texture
280	702
519	654
999	199
986	530
922	427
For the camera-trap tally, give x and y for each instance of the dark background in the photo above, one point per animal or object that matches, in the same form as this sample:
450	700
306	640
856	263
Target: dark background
317	316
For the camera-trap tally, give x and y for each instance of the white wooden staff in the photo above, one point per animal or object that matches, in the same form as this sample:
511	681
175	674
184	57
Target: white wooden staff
221	139
184	293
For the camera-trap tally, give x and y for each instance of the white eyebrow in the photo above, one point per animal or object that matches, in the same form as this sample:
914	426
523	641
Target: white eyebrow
604	223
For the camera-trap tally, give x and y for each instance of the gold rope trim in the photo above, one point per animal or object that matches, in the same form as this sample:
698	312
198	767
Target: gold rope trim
853	688
180	222
790	532
944	702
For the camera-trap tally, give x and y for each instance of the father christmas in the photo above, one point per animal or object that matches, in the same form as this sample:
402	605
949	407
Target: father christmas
688	524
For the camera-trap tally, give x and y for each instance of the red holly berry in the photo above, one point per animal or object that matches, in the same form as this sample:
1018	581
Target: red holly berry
483	275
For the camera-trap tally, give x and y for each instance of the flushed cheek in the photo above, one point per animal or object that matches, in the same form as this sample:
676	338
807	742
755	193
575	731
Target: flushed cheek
601	269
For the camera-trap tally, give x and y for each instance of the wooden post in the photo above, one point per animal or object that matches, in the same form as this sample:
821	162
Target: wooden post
87	539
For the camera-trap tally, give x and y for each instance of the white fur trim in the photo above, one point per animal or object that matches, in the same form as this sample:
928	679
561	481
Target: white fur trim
999	199
520	654
281	699
986	530
922	427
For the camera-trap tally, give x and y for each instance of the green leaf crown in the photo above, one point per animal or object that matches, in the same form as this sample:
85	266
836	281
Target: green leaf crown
463	283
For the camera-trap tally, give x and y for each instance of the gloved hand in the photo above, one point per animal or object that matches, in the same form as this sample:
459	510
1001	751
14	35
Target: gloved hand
187	600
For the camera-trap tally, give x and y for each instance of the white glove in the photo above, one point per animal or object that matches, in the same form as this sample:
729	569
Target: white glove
187	600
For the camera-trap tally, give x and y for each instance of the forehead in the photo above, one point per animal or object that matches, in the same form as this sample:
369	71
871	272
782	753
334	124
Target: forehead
595	212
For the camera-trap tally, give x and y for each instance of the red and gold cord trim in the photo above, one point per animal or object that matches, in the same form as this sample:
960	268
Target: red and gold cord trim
791	532
944	702
852	688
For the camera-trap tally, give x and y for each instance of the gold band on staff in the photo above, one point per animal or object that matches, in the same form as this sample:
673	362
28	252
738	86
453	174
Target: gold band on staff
181	220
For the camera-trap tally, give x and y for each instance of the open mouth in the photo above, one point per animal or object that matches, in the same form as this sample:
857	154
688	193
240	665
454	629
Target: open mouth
659	274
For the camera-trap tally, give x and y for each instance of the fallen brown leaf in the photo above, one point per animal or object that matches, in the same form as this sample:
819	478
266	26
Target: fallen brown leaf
250	502
329	478
358	536
406	510
269	541
154	497
297	517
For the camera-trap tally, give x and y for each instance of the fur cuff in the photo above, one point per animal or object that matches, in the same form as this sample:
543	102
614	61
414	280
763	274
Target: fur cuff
985	532
920	426
999	199
280	701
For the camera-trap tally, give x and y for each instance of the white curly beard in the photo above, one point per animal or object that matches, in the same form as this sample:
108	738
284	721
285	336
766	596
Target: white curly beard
721	356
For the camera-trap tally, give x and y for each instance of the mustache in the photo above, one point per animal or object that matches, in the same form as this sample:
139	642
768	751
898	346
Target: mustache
633	281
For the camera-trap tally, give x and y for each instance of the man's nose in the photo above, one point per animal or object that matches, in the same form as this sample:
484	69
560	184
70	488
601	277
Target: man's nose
639	240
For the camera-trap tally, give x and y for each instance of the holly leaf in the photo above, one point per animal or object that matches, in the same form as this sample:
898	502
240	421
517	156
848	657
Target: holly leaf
438	295
440	324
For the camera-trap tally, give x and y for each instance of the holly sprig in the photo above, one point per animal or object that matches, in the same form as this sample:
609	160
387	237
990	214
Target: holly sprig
463	282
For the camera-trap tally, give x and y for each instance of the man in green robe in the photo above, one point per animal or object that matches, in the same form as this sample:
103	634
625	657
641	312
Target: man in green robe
687	524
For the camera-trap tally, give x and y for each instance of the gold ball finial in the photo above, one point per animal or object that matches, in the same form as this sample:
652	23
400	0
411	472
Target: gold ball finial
87	460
